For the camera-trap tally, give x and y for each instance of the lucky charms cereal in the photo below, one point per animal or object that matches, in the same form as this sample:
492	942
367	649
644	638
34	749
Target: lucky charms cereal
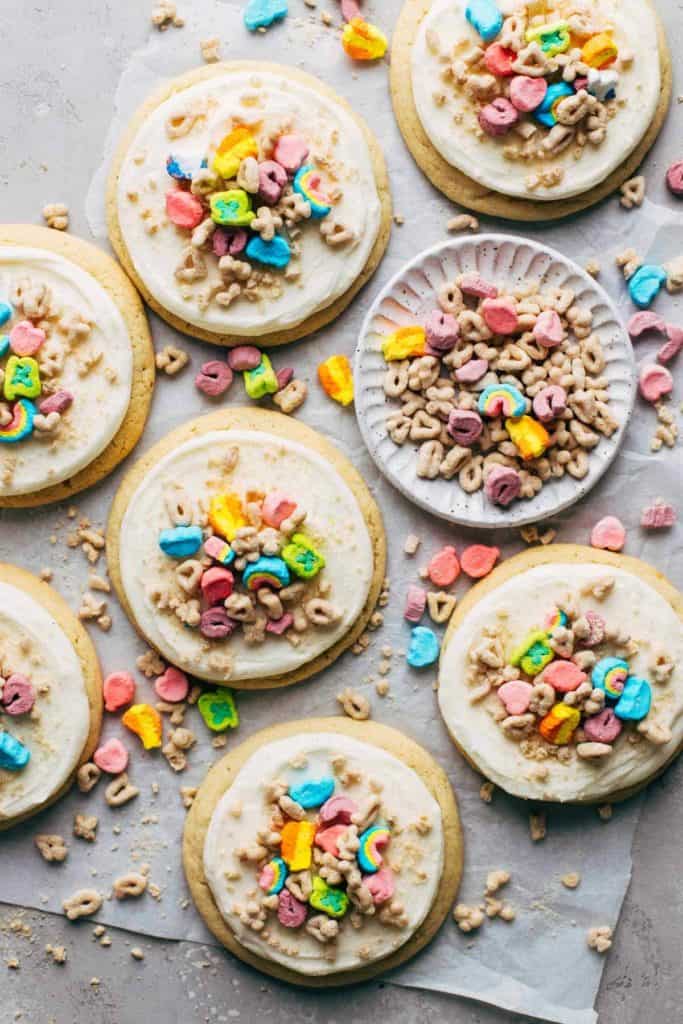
326	851
534	100
499	390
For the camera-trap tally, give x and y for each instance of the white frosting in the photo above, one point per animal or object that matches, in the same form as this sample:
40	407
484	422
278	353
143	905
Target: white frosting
101	398
404	796
521	604
32	644
265	463
482	159
245	97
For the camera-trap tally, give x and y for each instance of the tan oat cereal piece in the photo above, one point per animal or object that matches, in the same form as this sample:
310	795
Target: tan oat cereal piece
171	360
85	827
83	903
52	848
632	192
88	776
354	704
120	791
571	880
131	884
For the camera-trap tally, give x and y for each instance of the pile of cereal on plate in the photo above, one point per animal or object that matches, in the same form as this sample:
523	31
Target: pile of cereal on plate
249	566
245	206
566	690
503	390
320	862
40	336
544	78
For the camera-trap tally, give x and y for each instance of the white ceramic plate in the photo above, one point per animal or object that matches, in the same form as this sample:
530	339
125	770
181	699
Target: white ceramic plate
409	296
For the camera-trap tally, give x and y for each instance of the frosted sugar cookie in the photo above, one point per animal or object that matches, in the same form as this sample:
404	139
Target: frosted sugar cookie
248	200
561	675
324	851
530	109
76	365
50	695
245	548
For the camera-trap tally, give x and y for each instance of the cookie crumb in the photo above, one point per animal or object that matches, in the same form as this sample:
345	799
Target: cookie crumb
468	918
165	14
411	544
486	791
495	880
58	953
600	938
210	50
463	222
56	216
537	826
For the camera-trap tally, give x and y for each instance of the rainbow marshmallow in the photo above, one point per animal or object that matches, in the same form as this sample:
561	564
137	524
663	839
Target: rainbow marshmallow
307	182
21	424
554	620
372	841
216	548
610	675
501	400
273	876
266	572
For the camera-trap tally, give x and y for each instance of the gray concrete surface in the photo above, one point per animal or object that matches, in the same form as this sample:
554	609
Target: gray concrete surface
61	60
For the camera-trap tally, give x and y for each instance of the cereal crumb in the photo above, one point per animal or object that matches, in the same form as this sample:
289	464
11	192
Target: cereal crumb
210	50
58	953
467	918
486	792
537	826
571	880
495	880
56	216
399	219
411	544
46	574
600	938
593	268
137	953
165	14
605	812
463	222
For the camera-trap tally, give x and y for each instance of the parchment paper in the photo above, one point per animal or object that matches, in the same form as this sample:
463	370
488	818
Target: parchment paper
515	966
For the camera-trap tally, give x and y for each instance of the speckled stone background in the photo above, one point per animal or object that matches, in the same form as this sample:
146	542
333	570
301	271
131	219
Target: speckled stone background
60	66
